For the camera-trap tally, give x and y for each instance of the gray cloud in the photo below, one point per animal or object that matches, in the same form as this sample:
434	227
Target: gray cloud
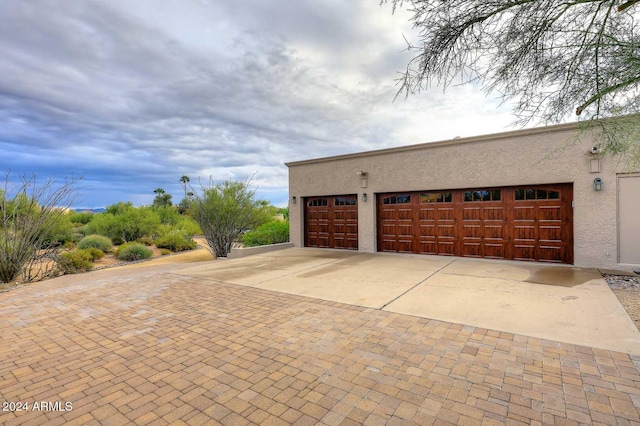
135	94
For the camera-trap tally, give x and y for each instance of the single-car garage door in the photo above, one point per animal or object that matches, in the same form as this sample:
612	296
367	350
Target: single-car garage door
519	223
331	222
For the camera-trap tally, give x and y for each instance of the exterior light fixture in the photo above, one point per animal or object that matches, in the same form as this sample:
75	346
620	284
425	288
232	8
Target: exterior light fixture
294	199
364	196
363	178
597	184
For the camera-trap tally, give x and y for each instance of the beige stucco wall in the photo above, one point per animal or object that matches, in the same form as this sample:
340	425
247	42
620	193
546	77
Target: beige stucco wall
525	157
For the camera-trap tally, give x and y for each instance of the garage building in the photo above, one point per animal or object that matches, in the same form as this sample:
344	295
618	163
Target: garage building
542	195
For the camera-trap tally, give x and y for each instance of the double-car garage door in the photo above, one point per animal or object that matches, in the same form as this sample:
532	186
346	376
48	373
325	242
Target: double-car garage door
521	223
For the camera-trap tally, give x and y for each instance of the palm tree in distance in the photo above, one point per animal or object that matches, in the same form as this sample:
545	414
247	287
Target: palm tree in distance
184	180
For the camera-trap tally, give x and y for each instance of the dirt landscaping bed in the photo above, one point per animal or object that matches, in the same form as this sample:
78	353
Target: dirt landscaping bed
199	254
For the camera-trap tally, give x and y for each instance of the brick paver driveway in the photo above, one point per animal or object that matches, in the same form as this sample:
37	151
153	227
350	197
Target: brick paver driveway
148	346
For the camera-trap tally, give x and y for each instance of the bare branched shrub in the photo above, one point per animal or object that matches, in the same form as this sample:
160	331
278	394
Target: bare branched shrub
28	211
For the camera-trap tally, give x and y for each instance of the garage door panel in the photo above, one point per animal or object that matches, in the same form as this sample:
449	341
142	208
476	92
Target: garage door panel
493	214
493	232
352	229
446	231
550	213
524	252
471	249
446	248
524	213
427	214
550	253
427	230
405	245
494	251
404	214
471	214
523	232
550	233
389	244
428	247
525	223
446	214
472	231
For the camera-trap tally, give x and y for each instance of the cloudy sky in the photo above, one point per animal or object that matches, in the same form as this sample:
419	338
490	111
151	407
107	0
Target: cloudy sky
134	94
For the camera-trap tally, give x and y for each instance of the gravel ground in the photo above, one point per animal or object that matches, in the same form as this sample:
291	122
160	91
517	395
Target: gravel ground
627	289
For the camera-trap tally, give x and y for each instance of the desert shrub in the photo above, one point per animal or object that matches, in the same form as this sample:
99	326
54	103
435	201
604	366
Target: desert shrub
73	262
122	222
133	251
96	241
165	252
188	225
58	231
80	218
174	239
175	242
145	240
77	236
118	241
96	254
168	214
270	233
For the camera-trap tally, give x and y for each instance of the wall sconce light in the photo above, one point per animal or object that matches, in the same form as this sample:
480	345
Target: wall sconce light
294	199
364	196
597	184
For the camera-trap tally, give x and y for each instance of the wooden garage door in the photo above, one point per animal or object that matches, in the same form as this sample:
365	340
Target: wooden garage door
331	222
521	223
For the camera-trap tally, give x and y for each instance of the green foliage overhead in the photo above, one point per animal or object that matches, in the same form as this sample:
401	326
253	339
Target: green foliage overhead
273	232
226	210
551	59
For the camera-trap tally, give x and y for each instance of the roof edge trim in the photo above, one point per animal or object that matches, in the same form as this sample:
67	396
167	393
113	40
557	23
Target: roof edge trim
460	141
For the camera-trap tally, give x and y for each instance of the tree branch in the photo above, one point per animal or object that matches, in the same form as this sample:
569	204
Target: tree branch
606	91
627	5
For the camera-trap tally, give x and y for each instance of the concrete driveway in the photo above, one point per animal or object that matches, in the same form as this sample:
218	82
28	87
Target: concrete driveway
562	303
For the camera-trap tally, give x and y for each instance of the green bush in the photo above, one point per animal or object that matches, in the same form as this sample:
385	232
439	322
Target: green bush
145	240
175	240
122	222
118	241
165	252
133	251
73	262
81	218
96	254
96	241
270	233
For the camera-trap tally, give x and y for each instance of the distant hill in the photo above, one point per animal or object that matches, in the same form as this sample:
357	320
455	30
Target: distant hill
98	210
